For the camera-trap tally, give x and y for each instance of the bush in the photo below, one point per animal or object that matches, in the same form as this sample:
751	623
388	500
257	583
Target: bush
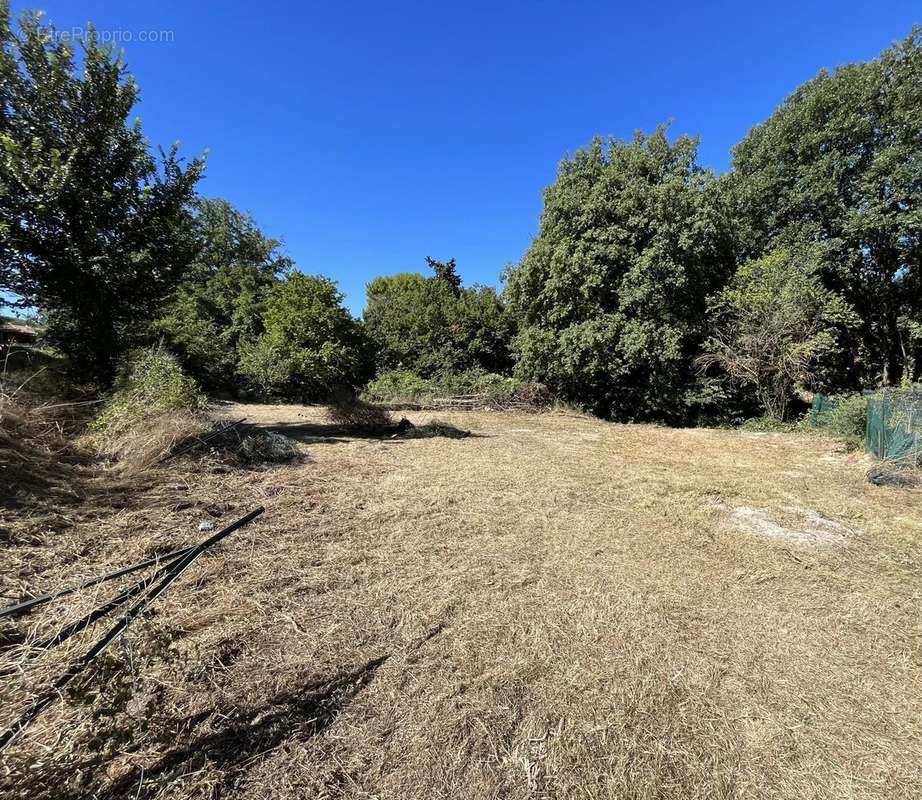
775	328
150	382
153	406
403	386
767	424
495	388
399	386
843	416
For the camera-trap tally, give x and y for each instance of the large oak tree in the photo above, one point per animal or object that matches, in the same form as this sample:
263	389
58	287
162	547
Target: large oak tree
611	297
839	165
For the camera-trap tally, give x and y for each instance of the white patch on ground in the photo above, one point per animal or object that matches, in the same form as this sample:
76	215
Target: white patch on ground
793	525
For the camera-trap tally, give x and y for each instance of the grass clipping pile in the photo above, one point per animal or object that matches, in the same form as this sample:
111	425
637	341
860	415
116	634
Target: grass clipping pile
37	458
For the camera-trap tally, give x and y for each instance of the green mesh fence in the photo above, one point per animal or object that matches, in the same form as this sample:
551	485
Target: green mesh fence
822	407
894	426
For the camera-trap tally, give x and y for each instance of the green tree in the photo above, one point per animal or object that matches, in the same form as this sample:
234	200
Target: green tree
219	305
481	331
610	298
446	271
840	164
431	325
312	347
774	324
403	323
93	229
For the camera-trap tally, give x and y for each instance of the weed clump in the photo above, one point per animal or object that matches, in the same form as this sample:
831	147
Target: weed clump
153	406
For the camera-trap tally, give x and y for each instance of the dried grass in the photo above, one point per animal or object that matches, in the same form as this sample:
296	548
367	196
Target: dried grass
556	607
134	444
38	462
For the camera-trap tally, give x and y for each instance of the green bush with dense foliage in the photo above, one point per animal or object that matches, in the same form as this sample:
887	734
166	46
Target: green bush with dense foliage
399	386
219	305
149	382
433	325
311	346
403	386
844	416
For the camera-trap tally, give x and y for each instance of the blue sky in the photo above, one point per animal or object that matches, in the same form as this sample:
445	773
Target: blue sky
370	135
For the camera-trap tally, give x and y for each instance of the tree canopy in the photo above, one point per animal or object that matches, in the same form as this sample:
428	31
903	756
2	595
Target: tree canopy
774	325
433	325
94	230
311	347
611	296
839	164
218	307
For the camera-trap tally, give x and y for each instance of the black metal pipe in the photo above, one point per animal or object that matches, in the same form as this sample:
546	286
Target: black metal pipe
173	571
98	613
27	605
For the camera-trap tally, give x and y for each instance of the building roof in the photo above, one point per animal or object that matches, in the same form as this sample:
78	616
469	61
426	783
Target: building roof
19	329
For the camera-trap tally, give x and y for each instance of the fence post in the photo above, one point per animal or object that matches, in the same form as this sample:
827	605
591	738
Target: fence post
912	422
883	424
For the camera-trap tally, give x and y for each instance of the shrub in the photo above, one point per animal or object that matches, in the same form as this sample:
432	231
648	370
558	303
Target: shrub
150	382
153	406
219	305
844	416
399	386
766	424
495	388
403	386
774	328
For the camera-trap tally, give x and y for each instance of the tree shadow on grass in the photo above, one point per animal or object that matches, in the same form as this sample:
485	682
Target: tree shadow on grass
321	433
236	747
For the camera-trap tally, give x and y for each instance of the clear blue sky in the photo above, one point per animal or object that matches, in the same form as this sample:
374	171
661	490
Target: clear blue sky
370	135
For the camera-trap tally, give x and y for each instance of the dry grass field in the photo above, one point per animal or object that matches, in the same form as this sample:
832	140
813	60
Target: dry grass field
552	607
